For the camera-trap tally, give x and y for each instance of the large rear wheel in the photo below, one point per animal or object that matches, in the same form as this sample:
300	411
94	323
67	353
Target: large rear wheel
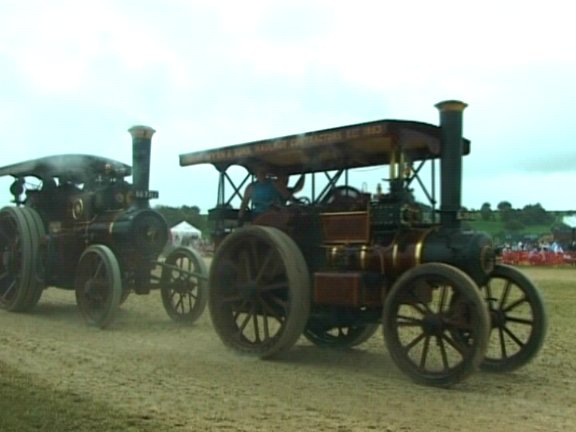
184	285
518	320
98	285
18	246
423	314
259	291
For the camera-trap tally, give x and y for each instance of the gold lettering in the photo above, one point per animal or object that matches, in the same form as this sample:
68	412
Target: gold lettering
372	130
353	133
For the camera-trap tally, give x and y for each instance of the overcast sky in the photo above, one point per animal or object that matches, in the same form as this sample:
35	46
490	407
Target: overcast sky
76	75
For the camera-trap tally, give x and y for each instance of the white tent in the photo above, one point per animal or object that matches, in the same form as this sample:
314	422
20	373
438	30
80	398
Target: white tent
184	234
570	221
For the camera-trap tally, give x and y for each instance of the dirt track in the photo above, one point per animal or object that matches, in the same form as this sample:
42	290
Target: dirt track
183	377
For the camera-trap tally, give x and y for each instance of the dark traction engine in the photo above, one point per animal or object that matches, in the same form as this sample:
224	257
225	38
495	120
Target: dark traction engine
96	234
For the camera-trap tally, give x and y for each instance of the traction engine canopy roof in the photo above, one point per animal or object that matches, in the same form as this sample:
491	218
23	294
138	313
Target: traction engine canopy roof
75	167
360	145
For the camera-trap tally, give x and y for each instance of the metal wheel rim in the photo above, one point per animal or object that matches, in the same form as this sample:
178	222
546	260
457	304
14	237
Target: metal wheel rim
38	232
518	320
260	293
421	330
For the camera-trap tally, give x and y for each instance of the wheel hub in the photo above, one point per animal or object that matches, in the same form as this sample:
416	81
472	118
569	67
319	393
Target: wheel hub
181	286
498	318
94	290
433	324
248	290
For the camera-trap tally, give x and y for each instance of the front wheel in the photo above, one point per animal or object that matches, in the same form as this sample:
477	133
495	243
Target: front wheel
98	285
425	311
518	320
184	285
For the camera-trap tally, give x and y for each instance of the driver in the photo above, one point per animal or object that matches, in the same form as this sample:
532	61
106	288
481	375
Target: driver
268	192
264	193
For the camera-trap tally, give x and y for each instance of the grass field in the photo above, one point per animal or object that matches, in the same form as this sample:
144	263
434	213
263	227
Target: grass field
32	407
28	405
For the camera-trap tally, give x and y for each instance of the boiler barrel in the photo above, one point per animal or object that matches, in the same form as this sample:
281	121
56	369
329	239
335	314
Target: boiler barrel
140	230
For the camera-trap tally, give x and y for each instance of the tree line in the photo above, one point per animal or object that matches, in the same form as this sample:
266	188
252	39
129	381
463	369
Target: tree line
515	219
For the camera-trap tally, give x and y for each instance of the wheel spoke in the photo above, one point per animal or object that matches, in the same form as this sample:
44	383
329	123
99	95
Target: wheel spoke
192	299
488	292
406	321
413	342
424	354
282	303
503	350
192	293
443	295
505	294
513	336
233	298
9	290
240	309
244	259
274	286
266	328
421	308
443	353
254	256
461	348
514	305
271	311
184	302
246	320
256	328
176	301
516	320
262	267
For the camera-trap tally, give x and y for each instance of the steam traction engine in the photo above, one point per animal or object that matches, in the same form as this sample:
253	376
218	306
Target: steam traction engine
82	227
336	265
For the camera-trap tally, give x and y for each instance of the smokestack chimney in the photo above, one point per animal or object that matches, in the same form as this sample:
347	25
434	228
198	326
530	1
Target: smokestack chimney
451	162
141	144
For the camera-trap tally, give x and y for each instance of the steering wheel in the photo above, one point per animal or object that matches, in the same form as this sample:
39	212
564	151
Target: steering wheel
342	196
303	201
